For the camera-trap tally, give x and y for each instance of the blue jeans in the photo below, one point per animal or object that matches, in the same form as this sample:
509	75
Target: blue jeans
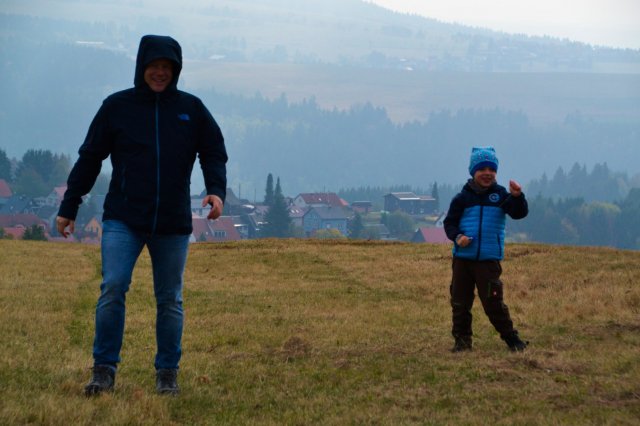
121	247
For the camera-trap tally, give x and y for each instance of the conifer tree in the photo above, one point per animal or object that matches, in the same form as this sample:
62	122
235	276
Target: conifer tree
278	222
435	195
5	166
268	195
356	227
34	232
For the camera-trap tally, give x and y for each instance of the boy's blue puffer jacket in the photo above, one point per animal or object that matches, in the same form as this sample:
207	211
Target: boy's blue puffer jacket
482	217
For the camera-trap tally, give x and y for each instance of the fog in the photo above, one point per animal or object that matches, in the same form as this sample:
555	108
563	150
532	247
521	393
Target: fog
612	23
328	94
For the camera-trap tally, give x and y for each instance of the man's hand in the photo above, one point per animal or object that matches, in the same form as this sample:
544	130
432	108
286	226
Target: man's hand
216	206
514	188
62	223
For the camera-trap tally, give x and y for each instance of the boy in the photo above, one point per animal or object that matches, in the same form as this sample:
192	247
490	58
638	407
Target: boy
475	223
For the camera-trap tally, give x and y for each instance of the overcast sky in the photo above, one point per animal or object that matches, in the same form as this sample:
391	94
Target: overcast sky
613	23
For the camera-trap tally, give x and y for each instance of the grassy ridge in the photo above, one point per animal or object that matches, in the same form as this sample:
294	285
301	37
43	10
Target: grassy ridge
302	331
408	96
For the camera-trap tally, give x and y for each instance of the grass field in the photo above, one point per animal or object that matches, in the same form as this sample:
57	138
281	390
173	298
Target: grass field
324	332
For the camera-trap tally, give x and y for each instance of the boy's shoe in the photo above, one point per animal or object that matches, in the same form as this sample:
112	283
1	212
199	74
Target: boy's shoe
462	344
514	342
103	380
167	381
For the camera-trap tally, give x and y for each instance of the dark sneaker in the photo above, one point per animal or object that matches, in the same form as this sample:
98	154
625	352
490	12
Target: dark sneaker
514	342
167	381
462	344
103	380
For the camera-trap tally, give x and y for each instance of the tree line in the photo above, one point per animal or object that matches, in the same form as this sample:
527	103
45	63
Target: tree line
575	221
581	207
36	174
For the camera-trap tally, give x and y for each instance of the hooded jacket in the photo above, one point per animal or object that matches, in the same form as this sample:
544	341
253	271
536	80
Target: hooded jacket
482	216
153	140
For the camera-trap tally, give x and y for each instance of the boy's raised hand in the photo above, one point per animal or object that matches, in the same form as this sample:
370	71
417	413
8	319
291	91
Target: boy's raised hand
514	188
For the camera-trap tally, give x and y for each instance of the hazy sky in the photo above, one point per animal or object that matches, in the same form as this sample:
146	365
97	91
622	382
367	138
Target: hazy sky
603	22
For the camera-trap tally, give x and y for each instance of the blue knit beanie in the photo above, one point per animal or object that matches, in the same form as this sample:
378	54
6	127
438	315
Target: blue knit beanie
482	157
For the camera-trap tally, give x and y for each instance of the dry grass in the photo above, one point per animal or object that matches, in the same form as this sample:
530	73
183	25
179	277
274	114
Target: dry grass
308	332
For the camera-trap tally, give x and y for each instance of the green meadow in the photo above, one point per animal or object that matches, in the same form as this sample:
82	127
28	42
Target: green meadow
327	332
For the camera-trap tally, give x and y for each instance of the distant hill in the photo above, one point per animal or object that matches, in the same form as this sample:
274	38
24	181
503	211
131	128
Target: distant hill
345	32
401	97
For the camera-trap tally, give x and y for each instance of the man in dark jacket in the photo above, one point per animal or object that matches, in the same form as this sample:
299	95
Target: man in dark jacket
475	223
153	133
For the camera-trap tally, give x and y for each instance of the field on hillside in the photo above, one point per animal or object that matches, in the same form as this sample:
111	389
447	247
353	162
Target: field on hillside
323	332
413	95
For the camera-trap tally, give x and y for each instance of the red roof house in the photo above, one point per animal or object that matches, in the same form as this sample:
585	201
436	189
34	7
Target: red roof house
5	190
431	235
221	229
317	199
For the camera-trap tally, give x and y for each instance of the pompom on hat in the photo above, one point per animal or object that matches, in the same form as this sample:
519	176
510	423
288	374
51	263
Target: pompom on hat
482	157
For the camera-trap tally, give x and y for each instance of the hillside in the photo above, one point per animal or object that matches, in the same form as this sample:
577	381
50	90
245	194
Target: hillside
375	98
312	31
304	332
545	97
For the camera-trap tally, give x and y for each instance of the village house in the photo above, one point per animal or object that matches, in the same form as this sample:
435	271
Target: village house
430	235
221	229
254	222
17	204
324	217
93	228
241	226
379	230
362	207
5	192
16	224
297	214
233	206
318	199
409	203
54	198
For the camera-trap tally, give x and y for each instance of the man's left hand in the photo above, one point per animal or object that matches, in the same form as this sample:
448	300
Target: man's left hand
216	206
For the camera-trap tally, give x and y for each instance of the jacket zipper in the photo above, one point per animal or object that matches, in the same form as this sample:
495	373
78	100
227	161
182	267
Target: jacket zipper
480	232
155	216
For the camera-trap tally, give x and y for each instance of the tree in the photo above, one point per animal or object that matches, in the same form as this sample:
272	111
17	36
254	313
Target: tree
371	233
39	160
356	227
435	195
278	222
34	233
5	166
401	225
596	223
628	221
268	194
30	183
60	171
39	171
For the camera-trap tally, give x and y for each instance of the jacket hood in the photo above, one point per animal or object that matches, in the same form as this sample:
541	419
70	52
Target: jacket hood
154	47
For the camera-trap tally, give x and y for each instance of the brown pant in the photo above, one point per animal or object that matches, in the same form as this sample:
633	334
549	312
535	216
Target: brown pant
468	274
